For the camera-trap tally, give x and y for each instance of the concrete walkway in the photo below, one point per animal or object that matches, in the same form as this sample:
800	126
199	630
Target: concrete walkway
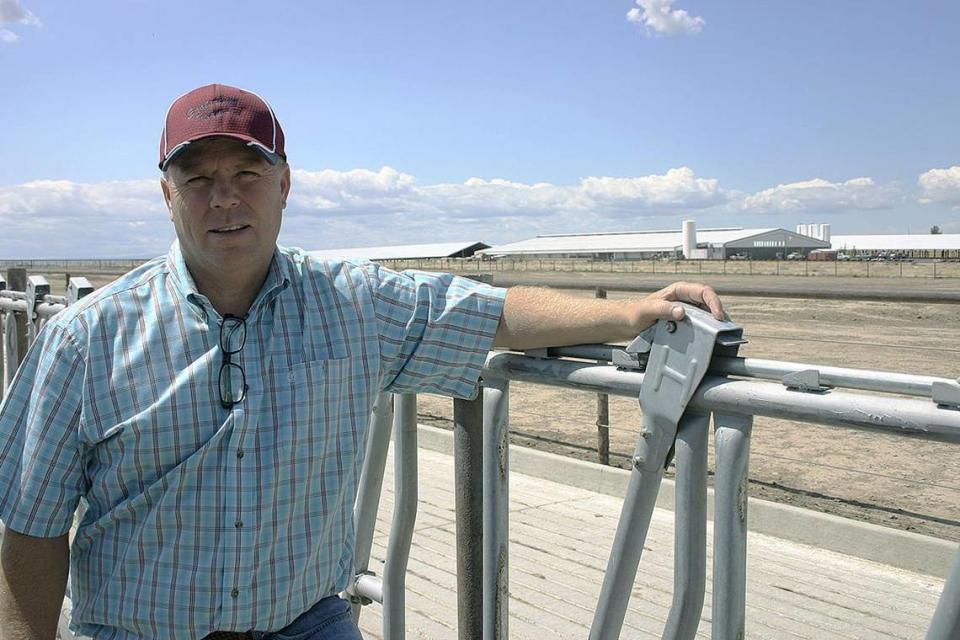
559	540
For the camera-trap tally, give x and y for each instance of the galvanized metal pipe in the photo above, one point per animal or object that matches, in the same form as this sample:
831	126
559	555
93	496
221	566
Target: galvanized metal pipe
635	515
904	416
496	509
404	516
368	493
732	448
468	489
690	529
11	349
843	377
17	305
369	587
946	619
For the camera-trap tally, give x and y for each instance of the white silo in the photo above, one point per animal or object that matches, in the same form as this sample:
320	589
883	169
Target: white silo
825	232
800	229
689	238
803	229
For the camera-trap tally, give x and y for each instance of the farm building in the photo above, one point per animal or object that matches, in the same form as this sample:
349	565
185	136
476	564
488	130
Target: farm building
768	243
942	246
405	251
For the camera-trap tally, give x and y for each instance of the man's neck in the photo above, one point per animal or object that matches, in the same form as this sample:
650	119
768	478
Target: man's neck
232	290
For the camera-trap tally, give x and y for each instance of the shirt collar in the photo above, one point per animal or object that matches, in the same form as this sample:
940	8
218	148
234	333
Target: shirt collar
278	279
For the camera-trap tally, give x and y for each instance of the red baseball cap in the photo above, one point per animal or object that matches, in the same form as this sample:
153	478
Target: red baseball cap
221	110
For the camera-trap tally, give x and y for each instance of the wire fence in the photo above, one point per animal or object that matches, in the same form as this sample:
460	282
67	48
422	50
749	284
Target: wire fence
916	268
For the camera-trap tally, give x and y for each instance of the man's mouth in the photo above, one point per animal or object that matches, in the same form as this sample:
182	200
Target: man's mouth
231	228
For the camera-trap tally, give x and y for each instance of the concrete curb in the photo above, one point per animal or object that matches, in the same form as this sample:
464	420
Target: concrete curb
901	549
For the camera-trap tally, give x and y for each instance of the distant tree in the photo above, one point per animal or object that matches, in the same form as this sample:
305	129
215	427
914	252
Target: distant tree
935	230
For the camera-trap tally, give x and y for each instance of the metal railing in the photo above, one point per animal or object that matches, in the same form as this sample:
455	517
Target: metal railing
675	426
683	374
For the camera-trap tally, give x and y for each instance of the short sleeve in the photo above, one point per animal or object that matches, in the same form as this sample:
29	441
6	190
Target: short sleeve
435	330
41	475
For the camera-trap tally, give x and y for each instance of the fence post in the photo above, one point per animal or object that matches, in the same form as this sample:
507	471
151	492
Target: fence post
946	617
404	515
496	510
468	463
603	413
732	447
17	281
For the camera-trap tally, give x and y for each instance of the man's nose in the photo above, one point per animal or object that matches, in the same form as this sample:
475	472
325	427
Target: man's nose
223	194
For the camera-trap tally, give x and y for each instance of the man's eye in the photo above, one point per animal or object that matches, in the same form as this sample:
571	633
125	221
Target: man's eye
248	174
198	180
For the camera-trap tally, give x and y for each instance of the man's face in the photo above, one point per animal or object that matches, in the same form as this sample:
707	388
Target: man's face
226	202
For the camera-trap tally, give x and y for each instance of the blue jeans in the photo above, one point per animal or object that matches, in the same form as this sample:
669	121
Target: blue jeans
329	619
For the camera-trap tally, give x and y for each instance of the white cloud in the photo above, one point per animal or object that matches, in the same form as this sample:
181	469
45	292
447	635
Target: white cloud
940	185
359	189
12	13
330	208
822	196
659	17
677	189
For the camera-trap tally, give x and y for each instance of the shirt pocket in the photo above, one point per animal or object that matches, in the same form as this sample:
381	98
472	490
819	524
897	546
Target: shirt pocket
321	412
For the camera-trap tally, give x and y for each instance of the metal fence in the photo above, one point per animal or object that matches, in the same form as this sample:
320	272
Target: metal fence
684	374
933	268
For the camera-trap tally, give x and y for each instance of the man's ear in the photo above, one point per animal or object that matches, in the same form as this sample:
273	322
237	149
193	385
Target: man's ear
165	187
285	184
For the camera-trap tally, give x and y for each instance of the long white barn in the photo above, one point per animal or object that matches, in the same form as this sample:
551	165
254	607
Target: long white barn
640	245
762	243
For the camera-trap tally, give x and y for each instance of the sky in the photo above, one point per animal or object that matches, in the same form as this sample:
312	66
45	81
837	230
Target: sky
422	121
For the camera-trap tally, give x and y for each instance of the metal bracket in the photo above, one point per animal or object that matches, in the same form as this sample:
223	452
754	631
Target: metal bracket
806	381
37	288
636	354
679	355
77	288
946	394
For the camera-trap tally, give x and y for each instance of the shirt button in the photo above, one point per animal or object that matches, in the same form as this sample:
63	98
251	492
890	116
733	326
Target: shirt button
239	453
235	593
238	524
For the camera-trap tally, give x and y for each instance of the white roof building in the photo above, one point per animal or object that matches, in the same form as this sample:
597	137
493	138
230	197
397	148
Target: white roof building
897	242
404	252
710	243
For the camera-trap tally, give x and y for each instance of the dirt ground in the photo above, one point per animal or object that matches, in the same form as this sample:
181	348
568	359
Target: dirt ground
903	483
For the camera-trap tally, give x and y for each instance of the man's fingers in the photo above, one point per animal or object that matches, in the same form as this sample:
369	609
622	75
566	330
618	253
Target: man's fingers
712	300
665	310
701	295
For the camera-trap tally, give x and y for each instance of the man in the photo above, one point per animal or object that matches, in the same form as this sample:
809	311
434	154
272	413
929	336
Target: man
209	408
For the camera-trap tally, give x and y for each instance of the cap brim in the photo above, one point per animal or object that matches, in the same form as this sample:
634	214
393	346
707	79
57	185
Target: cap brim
271	157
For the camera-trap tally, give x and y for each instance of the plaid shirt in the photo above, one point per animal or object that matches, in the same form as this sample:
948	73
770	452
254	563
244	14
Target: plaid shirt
198	517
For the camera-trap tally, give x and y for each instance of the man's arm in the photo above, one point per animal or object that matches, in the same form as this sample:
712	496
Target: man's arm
32	584
536	317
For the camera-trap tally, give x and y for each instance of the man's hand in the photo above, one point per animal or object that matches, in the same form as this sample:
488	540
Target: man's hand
660	305
537	317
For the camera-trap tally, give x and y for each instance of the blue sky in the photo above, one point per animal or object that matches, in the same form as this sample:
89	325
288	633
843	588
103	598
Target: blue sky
495	121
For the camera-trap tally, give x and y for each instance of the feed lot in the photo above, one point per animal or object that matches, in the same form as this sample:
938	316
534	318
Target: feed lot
904	483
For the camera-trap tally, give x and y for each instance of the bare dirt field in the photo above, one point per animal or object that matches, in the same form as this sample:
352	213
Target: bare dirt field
902	483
